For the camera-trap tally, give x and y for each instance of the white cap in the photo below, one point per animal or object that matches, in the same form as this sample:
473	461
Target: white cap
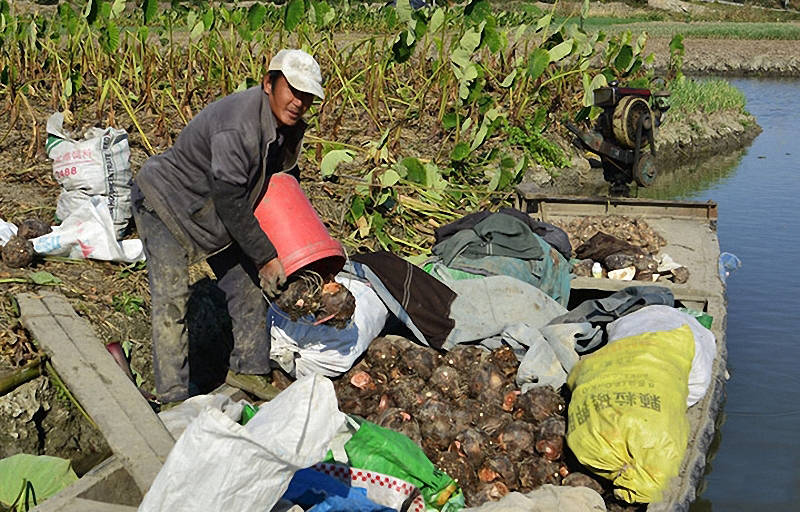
300	69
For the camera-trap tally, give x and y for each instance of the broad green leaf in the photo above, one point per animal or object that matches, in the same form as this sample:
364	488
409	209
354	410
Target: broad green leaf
416	172
357	207
560	50
328	17
433	177
110	39
403	8
46	475
509	80
449	120
624	58
117	8
585	9
150	9
538	62
477	11
208	18
68	87
437	20
492	38
480	136
676	43
460	152
256	15
544	22
389	178
471	39
402	51
295	11
641	42
197	31
589	86
323	13
333	158
495	180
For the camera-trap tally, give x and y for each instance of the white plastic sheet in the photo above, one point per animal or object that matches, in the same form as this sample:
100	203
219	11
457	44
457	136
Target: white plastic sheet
547	498
179	417
664	318
89	233
308	349
219	465
7	230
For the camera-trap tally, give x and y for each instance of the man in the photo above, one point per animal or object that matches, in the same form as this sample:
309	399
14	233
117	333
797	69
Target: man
196	201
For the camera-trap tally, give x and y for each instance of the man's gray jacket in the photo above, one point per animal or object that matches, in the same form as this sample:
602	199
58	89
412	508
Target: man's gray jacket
223	148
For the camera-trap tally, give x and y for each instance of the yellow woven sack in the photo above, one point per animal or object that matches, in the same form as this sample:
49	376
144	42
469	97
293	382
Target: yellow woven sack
627	415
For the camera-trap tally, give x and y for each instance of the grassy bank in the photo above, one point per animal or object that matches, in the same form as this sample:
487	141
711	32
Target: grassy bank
704	95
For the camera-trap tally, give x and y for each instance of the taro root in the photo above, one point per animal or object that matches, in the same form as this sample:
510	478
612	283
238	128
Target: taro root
535	471
490	491
400	421
448	381
465	357
363	380
458	468
385	351
338	305
539	403
583	268
420	361
329	302
509	399
18	252
472	443
516	439
492	420
406	392
582	480
550	437
435	425
33	228
680	275
619	260
506	361
486	377
461	418
498	467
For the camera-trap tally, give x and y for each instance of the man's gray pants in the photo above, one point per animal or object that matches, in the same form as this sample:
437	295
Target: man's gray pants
168	275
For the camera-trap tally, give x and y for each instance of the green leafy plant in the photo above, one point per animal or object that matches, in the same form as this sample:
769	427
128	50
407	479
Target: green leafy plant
127	303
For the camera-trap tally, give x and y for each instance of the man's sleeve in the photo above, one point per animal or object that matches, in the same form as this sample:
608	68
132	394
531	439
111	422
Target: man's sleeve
229	163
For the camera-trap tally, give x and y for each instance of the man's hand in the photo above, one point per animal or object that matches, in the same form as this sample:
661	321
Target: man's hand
272	277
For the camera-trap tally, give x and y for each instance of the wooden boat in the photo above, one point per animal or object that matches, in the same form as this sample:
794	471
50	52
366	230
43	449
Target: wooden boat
690	231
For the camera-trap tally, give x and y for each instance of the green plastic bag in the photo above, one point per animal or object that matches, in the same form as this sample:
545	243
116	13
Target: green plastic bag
379	449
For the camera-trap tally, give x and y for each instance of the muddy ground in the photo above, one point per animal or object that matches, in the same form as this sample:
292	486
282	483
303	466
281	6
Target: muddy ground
39	416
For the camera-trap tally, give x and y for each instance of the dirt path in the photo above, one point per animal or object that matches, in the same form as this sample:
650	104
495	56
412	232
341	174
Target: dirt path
733	57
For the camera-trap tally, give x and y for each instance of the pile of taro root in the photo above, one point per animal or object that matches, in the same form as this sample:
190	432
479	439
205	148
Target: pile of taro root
465	411
18	251
623	246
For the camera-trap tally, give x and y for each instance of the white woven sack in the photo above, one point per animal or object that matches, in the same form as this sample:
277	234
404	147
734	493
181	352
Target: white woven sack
97	165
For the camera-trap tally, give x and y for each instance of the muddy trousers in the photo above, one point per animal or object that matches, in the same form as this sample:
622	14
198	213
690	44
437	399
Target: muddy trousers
168	275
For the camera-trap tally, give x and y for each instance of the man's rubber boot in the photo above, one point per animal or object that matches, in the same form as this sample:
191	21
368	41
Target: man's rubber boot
258	385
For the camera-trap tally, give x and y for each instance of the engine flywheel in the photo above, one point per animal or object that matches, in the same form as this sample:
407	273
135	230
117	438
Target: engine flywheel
628	113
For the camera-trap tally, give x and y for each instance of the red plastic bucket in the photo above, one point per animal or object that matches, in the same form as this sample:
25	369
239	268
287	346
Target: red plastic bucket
291	223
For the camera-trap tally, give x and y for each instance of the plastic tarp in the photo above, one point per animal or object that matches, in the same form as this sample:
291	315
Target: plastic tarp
88	232
547	498
303	348
7	230
219	465
179	417
665	318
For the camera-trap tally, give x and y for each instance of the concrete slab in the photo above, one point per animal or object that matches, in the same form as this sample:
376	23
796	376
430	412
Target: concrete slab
133	431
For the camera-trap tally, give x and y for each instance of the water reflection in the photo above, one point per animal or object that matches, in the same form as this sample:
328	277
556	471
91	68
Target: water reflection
686	181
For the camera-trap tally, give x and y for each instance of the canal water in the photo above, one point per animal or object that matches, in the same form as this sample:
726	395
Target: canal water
756	456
